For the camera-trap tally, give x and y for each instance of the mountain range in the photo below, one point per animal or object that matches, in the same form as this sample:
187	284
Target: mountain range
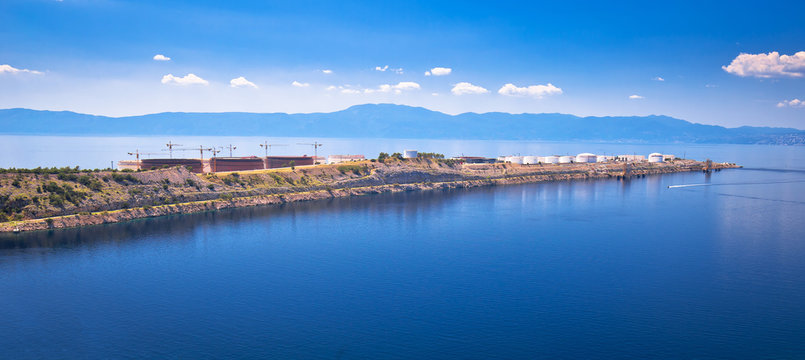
396	121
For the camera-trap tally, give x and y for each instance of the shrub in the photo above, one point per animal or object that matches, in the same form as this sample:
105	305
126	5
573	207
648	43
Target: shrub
382	157
190	182
16	183
226	196
211	187
356	169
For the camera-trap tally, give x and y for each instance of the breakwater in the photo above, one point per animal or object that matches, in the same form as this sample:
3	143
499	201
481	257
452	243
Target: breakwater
99	198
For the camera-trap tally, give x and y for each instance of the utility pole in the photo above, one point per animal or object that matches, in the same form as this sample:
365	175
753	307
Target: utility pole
170	146
230	147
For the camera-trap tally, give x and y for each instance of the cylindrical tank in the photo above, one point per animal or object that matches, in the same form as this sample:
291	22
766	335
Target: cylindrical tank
550	159
655	158
530	160
601	159
514	159
501	159
586	158
409	154
566	159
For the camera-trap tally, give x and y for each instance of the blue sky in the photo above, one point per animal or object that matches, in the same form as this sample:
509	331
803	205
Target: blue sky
628	58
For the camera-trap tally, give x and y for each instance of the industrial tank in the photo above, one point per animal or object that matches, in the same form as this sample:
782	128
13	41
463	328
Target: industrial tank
514	159
530	160
655	158
409	154
601	159
586	158
550	159
566	159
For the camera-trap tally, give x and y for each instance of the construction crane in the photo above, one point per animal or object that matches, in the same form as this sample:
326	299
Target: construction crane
265	145
230	147
201	149
316	145
215	151
137	153
170	146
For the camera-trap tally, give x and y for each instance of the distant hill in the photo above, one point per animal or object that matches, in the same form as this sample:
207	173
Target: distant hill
397	121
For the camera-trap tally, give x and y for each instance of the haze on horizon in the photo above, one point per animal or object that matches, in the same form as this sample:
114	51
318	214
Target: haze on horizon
724	64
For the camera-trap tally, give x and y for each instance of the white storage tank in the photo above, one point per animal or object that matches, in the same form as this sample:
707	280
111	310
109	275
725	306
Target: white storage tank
550	159
514	159
530	160
586	158
409	154
566	159
601	159
655	158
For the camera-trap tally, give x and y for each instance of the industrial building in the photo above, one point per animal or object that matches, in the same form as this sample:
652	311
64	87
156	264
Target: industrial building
631	158
409	154
218	164
336	159
475	159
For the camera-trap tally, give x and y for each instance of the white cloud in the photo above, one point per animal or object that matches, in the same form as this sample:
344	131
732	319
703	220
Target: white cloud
160	57
189	79
327	71
536	91
710	86
435	94
331	88
350	91
463	88
241	82
768	65
298	84
635	97
438	71
658	78
791	103
12	70
384	68
397	89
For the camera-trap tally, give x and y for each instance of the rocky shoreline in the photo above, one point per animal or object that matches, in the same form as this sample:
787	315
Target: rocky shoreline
377	179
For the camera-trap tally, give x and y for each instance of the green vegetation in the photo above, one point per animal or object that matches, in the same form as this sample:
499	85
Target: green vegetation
428	155
382	157
355	169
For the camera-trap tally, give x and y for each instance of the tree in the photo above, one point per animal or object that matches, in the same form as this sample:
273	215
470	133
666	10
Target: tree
382	157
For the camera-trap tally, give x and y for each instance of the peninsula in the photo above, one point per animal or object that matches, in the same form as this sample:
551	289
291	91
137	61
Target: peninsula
40	199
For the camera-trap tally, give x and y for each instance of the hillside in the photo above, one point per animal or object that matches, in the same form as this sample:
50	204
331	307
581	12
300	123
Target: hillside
397	121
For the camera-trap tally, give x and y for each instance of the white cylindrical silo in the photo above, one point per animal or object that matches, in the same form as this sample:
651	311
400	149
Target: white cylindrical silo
409	154
586	158
530	160
601	159
550	159
514	159
655	158
566	159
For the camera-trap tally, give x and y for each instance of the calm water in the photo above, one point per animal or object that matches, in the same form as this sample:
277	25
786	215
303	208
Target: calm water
598	269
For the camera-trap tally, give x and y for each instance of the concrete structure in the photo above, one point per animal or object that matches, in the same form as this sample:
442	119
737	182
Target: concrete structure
655	158
566	159
530	160
272	162
337	159
603	159
219	164
128	165
552	159
409	154
631	158
668	157
586	158
501	159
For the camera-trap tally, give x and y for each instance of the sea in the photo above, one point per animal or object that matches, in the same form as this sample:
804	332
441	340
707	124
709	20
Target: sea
676	266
